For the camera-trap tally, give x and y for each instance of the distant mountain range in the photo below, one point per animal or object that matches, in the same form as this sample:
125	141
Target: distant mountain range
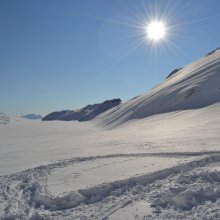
84	114
32	116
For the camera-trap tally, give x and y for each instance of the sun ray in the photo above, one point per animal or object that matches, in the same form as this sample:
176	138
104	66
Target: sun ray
177	48
132	49
167	29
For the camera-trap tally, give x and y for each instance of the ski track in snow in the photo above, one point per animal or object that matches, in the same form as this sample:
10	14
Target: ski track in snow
25	194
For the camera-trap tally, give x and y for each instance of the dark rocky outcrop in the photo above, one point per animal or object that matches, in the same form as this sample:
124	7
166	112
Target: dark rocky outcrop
213	51
84	114
173	72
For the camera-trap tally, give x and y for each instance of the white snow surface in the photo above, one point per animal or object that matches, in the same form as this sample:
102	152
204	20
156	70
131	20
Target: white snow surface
164	166
89	173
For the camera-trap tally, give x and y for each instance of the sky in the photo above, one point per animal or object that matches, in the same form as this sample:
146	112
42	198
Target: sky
57	54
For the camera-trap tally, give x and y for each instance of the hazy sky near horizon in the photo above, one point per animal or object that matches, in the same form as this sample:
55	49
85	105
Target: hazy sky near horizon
57	54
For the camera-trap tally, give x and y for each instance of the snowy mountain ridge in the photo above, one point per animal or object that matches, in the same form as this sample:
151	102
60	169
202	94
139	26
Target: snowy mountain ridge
84	114
195	86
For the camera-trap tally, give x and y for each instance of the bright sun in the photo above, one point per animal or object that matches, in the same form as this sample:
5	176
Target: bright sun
156	30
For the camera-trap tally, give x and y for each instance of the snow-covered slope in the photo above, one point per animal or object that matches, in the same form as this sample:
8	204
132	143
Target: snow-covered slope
83	114
194	86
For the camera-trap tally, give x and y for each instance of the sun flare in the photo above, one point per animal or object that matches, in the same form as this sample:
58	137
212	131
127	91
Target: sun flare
156	30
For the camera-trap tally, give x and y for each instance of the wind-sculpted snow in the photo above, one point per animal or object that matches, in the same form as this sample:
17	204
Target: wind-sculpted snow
25	195
191	190
195	86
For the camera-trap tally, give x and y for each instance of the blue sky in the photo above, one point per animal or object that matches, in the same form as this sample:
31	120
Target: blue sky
66	54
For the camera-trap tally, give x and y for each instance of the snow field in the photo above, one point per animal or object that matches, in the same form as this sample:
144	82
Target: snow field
111	172
26	144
